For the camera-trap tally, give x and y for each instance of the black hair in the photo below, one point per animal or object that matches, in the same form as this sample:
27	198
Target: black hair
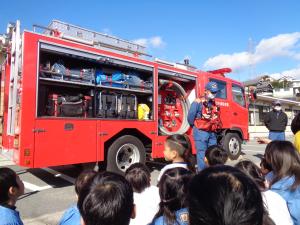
172	191
138	175
107	199
223	195
83	179
253	171
216	155
8	179
264	165
182	145
284	160
295	125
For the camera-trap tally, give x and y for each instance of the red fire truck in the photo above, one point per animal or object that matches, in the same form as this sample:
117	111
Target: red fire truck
74	96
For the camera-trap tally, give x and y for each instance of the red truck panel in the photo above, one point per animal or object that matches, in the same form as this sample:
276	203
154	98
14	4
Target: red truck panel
64	141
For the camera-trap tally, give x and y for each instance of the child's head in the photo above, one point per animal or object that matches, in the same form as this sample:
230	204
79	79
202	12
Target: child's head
178	147
215	155
284	160
265	167
138	175
83	179
107	200
11	186
172	191
253	171
224	195
295	125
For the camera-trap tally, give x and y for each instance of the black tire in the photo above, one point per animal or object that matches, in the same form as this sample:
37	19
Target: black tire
118	154
233	145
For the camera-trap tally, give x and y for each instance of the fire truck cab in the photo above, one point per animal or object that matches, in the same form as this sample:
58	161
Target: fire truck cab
75	96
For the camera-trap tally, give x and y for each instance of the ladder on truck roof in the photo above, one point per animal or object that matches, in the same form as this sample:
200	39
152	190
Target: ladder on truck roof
93	38
14	34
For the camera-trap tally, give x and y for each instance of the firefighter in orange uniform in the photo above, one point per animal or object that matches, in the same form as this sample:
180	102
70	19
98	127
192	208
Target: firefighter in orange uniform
204	118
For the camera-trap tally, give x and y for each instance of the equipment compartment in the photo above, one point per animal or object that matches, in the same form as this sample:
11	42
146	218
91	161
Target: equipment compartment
70	85
55	101
176	92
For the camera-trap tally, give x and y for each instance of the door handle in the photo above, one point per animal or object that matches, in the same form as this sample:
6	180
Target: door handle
104	133
39	130
235	114
69	126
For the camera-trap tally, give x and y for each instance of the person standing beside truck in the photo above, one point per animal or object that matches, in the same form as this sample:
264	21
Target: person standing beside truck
295	127
204	118
276	122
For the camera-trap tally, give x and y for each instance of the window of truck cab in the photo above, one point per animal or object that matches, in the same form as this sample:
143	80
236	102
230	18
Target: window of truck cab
238	95
222	86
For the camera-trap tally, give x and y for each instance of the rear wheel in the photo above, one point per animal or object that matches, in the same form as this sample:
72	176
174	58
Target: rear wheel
233	145
124	152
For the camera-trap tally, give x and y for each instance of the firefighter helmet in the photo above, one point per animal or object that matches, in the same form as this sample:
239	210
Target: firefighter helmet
212	87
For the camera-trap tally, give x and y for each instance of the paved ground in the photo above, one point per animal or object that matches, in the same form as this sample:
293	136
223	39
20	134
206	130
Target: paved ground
50	191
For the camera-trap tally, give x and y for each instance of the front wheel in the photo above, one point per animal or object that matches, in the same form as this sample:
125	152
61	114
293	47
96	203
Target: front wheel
233	145
124	152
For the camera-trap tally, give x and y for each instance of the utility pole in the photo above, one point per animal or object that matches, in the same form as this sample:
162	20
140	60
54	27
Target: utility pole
252	74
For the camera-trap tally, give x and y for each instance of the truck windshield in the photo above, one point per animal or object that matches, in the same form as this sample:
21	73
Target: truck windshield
238	95
222	93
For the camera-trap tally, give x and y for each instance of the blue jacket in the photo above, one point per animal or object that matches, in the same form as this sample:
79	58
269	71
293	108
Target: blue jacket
182	217
71	216
269	176
194	112
9	216
282	187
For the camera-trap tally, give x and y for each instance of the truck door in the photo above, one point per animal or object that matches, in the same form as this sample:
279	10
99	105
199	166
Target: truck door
222	100
239	117
64	141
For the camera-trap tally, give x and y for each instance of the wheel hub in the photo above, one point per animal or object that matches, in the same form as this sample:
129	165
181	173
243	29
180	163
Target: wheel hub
234	146
127	155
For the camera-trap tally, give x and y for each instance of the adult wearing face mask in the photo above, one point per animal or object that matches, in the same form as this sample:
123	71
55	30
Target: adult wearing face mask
204	118
276	122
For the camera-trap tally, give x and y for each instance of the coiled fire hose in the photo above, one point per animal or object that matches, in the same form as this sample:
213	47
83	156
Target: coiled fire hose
185	103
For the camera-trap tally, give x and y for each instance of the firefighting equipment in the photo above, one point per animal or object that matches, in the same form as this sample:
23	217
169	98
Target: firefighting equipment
210	120
143	112
173	108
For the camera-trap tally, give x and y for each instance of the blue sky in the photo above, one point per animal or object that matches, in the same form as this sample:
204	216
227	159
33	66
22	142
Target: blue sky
211	33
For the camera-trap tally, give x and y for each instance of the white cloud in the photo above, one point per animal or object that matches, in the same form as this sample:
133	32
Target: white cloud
141	41
156	42
282	45
152	42
293	73
107	31
234	61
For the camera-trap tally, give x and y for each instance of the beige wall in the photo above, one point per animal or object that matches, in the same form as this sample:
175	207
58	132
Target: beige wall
262	131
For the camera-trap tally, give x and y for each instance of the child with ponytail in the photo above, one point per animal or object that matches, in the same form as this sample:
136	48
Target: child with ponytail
178	151
173	193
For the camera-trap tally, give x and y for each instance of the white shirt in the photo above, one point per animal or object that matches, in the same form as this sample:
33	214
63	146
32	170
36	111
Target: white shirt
171	166
277	208
147	205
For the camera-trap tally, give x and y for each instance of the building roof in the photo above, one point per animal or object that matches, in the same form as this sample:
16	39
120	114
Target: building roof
252	82
255	81
282	100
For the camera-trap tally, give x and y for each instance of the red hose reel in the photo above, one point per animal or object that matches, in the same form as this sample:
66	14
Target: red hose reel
170	110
